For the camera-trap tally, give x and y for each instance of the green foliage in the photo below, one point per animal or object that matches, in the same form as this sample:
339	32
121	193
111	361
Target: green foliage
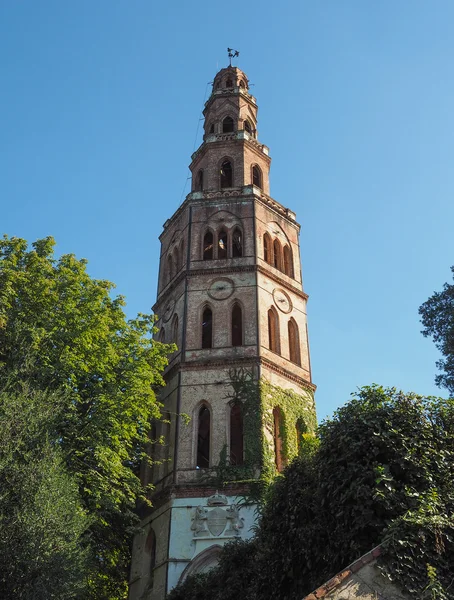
231	579
257	399
42	522
437	316
381	472
61	330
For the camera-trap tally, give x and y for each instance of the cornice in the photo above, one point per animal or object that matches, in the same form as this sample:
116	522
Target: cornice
204	365
248	193
288	374
214	140
167	291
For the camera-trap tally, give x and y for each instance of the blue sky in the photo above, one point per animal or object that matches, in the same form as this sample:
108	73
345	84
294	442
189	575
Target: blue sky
99	111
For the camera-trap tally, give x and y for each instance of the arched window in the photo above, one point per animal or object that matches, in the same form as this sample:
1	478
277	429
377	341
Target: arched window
247	127
256	176
278	453
236	435
229	83
226	174
227	125
300	429
203	438
162	335
211	128
176	260
237	325
294	342
150	547
242	84
208	246
273	330
170	267
182	253
237	244
267	249
277	252
222	244
166	427
207	328
175	329
199	181
288	263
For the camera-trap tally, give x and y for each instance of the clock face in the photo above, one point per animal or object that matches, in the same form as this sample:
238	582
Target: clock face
282	300
221	288
168	311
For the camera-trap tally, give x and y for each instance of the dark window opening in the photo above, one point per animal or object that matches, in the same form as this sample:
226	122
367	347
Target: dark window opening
199	181
242	84
170	267
208	246
237	326
288	263
267	248
293	342
247	127
175	330
237	246
300	430
162	335
278	450
226	174
229	83
256	177
277	251
273	330
203	439
176	260
236	435
227	125
222	244
211	128
182	253
207	328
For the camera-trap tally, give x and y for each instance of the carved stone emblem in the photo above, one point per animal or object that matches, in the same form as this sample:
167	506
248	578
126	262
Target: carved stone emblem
199	522
235	521
216	521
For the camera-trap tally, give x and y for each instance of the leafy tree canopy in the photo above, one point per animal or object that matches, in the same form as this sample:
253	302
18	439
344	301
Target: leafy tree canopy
437	316
61	330
381	471
43	553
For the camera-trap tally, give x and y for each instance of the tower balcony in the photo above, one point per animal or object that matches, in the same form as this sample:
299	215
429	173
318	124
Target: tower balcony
241	134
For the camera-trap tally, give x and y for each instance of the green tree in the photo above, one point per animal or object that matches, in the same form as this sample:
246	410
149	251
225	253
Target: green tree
380	472
60	329
437	316
42	521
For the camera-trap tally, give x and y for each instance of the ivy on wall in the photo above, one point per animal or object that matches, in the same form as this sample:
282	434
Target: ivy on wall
257	400
381	471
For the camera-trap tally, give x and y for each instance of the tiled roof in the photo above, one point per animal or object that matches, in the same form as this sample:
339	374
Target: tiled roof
335	581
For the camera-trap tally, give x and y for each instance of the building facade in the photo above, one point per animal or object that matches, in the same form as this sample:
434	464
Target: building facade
239	393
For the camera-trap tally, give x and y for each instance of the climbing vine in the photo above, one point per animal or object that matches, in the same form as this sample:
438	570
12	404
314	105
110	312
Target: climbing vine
380	472
257	400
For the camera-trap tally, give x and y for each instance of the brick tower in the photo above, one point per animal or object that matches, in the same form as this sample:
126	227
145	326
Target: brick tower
239	392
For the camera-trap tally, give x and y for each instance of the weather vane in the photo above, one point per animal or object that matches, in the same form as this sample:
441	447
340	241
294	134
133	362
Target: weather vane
232	54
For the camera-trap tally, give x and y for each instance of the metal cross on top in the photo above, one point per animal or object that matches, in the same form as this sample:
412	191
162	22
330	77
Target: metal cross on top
232	54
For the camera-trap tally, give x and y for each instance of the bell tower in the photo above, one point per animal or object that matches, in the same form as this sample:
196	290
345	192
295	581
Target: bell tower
239	393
